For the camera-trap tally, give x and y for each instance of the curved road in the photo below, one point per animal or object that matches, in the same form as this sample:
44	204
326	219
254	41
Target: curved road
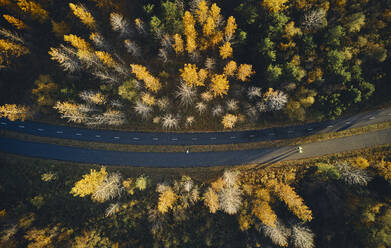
196	138
158	159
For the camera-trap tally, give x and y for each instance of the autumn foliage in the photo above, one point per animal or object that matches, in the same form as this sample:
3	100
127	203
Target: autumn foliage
90	183
220	85
34	9
142	73
14	112
189	55
167	199
19	24
83	14
226	50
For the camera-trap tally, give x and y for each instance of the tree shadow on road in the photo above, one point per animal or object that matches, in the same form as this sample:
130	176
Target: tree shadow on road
278	157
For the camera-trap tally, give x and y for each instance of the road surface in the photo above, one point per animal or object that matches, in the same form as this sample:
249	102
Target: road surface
195	138
175	159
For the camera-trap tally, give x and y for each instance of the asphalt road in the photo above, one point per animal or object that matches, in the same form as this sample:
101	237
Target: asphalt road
196	138
158	159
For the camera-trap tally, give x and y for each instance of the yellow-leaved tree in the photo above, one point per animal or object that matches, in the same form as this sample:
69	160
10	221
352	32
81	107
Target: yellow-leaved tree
219	85
261	207
216	39
226	50
34	9
294	202
230	28
264	213
14	112
274	6
9	48
106	59
230	68
202	12
83	14
17	23
178	44
77	42
90	182
44	238
86	55
244	72
190	75
384	168
214	12
142	73
190	32
167	198
229	120
202	76
71	111
209	26
244	219
148	99
211	200
291	30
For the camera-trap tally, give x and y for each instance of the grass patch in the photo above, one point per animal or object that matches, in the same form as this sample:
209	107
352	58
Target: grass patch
199	148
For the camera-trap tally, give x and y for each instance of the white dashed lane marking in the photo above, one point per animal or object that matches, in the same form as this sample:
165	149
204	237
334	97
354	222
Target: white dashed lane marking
212	138
310	129
194	138
41	129
98	136
3	123
372	118
348	122
20	126
116	137
291	131
252	136
59	132
135	138
79	134
174	139
232	137
155	138
271	134
330	126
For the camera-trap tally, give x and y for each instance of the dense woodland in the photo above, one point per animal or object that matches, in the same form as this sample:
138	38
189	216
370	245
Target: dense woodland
340	201
195	65
192	64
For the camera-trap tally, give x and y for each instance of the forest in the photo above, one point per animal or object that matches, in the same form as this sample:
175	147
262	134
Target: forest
192	65
197	65
335	201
